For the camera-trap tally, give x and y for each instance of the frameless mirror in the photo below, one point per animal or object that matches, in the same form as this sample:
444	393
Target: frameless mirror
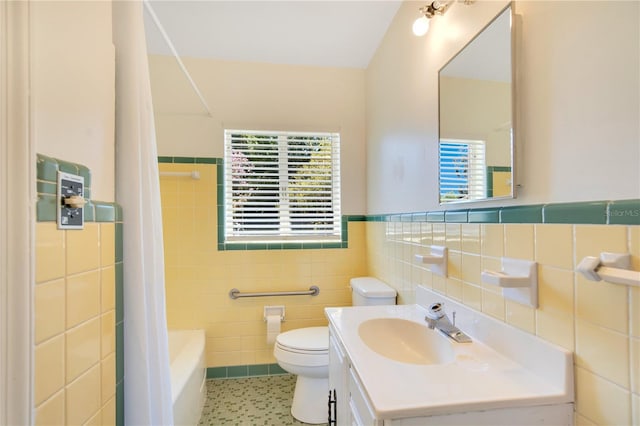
476	117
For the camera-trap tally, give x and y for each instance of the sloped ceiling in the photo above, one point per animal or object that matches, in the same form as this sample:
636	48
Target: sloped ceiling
301	32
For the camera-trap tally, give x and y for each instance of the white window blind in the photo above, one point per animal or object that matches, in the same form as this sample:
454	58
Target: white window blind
282	186
462	170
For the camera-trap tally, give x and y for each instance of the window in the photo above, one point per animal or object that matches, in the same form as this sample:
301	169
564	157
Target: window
462	170
281	186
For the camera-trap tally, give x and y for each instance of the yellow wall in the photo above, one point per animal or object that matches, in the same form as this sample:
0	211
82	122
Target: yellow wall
75	360
599	321
199	277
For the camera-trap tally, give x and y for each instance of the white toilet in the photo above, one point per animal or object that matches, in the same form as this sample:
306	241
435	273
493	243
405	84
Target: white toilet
305	352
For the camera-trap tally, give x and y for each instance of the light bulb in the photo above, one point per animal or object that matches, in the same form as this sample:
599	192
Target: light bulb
421	26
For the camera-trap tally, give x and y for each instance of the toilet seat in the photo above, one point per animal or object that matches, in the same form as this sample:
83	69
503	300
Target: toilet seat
304	347
305	340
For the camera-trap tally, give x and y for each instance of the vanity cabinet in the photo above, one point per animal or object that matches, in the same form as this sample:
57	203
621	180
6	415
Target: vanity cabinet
348	403
338	383
418	395
360	411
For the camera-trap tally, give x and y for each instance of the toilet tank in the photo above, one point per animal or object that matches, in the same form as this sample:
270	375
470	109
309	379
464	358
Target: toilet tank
368	291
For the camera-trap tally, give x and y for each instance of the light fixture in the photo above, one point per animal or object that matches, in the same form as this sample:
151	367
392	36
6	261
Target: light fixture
421	25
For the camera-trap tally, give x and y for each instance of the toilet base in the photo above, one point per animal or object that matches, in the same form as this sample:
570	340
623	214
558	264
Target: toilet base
310	400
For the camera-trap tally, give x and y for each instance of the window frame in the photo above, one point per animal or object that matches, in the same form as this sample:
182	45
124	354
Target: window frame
285	232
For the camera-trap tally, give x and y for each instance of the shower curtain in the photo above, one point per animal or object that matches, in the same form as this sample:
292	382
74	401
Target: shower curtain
147	389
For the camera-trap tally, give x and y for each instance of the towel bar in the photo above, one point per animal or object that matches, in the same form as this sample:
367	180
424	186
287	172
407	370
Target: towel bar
193	175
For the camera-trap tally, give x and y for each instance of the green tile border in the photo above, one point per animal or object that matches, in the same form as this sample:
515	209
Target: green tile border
521	214
67	167
489	215
120	404
456	216
436	216
238	371
46	208
48	188
189	160
46	168
588	212
86	174
104	212
119	299
619	212
89	212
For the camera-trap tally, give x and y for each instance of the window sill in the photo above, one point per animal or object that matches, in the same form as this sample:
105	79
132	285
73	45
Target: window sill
282	245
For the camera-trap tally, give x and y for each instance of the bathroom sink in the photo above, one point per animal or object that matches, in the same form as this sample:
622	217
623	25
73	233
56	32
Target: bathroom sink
405	341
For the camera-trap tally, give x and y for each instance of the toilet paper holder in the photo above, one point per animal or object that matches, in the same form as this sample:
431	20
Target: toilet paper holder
274	310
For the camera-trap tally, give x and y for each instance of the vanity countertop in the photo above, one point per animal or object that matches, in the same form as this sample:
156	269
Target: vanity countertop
479	377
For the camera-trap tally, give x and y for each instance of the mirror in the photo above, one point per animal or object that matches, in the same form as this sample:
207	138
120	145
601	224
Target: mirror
476	117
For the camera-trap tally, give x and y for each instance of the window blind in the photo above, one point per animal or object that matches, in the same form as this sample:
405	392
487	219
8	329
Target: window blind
462	170
282	186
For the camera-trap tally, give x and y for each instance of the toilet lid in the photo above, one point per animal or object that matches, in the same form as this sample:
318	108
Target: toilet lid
308	339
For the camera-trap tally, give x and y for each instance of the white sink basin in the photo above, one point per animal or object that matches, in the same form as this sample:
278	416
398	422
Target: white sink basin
409	371
406	341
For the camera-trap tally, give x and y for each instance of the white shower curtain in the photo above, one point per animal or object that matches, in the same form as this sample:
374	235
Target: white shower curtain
147	389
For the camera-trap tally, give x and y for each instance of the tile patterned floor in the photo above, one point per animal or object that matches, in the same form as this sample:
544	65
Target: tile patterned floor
249	401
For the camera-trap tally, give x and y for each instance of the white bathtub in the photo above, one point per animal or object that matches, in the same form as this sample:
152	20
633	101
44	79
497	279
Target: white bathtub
188	375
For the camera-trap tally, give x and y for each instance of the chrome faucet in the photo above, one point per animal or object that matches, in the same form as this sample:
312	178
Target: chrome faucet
437	319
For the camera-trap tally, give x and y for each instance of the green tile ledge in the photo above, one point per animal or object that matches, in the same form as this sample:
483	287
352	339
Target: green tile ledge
190	160
618	212
47	183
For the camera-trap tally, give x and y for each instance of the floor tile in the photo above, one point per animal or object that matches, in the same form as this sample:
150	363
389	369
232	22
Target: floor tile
248	401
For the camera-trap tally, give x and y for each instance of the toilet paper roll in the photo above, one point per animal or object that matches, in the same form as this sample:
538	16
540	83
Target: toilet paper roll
273	328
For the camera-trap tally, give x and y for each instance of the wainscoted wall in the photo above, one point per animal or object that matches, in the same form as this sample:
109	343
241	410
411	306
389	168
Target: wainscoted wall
200	272
79	368
599	321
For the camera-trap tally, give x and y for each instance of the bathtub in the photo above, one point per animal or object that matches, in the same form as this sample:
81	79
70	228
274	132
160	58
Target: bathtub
188	375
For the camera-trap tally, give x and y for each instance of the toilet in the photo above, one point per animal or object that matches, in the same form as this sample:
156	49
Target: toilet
305	353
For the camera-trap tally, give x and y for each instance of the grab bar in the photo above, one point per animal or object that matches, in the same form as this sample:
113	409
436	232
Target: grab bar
313	291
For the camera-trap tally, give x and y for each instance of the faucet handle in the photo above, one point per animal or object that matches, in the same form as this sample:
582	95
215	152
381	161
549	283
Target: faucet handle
431	323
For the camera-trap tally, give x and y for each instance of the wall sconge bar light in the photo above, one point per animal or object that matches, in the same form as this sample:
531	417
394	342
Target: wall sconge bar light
421	25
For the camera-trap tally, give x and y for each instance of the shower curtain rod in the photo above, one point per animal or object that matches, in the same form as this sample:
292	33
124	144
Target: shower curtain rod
176	56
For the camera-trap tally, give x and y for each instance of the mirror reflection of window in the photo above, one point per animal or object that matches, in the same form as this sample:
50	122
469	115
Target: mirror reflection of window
462	170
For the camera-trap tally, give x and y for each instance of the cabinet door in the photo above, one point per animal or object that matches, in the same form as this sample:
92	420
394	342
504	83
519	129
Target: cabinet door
338	368
361	413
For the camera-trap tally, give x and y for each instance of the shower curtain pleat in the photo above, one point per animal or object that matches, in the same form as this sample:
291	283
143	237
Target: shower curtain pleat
147	386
